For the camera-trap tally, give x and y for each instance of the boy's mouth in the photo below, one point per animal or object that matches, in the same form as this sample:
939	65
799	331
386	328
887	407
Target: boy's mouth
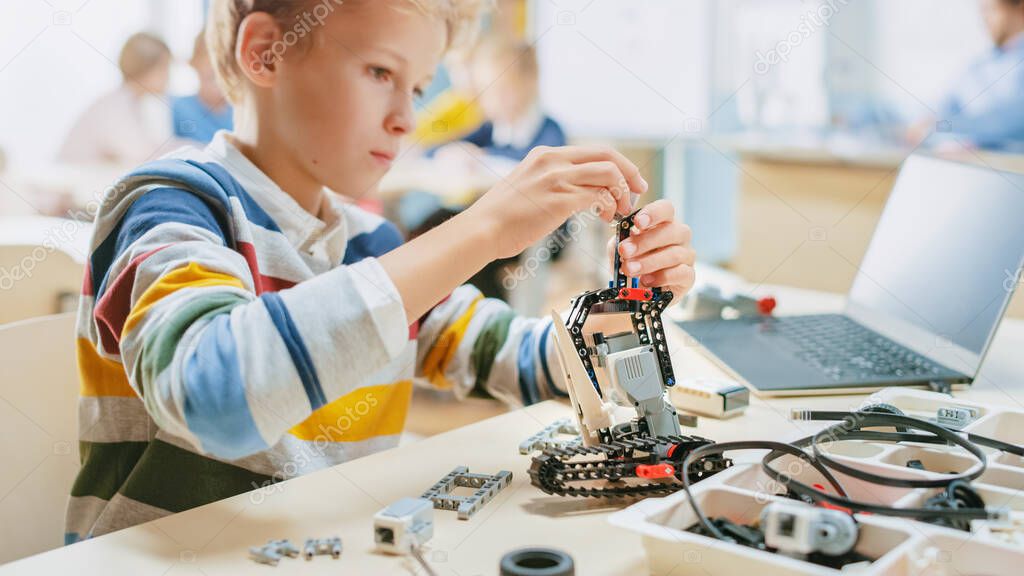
383	157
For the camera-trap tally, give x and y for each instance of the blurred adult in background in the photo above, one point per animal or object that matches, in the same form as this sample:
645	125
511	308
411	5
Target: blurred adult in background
199	116
133	122
985	106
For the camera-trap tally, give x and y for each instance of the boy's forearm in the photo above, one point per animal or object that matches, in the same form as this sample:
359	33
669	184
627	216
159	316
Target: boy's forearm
431	266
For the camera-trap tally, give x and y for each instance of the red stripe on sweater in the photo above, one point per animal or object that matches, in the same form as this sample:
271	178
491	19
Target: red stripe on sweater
248	251
112	309
87	281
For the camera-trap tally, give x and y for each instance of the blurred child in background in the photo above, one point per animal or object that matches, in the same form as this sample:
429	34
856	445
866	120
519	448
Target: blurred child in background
199	116
506	75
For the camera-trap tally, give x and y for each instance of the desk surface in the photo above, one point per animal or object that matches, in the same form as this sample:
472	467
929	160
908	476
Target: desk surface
341	501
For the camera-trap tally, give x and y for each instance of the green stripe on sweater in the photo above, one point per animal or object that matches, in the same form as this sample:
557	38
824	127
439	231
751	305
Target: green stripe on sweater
159	474
175	479
160	345
492	337
105	467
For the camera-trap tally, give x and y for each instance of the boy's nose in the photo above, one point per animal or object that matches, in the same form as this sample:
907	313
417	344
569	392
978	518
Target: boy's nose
400	121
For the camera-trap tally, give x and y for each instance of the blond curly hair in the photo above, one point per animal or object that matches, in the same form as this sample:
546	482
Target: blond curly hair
225	17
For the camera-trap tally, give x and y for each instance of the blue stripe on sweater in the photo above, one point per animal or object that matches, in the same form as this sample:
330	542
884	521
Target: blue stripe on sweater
156	207
380	241
543	351
296	348
216	408
202	199
527	371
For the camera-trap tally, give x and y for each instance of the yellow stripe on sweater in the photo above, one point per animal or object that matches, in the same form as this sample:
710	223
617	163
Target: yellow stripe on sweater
98	376
191	276
365	413
440	356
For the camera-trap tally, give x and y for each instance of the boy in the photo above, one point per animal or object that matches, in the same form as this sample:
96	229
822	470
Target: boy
240	325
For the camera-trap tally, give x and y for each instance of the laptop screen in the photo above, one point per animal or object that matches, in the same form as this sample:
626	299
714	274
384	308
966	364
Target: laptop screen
946	255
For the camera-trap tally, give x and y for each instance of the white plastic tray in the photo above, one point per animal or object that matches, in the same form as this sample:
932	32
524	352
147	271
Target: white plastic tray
899	546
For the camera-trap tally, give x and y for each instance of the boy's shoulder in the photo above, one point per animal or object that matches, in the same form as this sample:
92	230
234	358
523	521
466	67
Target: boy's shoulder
367	233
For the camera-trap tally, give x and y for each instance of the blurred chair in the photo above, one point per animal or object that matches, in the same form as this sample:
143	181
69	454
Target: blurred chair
33	286
42	263
38	433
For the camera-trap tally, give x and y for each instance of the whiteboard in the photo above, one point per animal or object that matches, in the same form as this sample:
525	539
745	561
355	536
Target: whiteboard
625	68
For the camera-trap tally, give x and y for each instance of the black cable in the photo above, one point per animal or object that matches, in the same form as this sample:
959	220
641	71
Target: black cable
846	430
956	506
890	409
713	449
850	429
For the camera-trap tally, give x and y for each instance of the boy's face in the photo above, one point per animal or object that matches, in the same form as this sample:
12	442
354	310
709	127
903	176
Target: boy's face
342	104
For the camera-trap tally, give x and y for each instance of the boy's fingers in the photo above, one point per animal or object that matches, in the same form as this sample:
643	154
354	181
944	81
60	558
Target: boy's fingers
661	259
604	175
594	199
666	234
679	280
653	214
585	154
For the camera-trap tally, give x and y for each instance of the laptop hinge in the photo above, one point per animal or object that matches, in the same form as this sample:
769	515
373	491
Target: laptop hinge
941	386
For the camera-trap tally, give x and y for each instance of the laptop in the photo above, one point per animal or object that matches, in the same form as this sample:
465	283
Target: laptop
934	284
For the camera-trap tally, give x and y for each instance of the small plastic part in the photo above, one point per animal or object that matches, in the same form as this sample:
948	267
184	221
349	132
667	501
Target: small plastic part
264	555
955	417
546	438
537	562
800	529
272	552
717	398
404	525
322	547
709	303
651	471
639	294
486	485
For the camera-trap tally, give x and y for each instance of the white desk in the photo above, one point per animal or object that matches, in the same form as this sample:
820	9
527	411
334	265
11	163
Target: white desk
214	539
69	236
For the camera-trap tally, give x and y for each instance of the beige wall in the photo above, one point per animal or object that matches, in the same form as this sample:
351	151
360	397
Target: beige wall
809	224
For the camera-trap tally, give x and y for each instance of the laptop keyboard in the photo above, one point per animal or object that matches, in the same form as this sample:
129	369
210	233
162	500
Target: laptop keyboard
845	350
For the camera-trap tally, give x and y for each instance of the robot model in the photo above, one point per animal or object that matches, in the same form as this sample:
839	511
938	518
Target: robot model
608	374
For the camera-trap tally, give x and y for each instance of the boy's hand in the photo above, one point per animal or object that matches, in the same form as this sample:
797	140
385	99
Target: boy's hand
658	250
549	186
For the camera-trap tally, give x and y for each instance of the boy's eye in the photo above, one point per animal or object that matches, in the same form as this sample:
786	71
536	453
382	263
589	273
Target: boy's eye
417	93
380	73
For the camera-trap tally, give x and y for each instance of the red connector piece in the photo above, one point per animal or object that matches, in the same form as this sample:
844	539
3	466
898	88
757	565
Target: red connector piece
766	305
641	294
652	471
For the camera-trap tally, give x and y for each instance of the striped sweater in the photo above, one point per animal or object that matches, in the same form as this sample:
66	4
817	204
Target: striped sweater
227	340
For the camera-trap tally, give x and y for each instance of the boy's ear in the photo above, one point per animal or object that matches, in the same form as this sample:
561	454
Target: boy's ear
258	37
